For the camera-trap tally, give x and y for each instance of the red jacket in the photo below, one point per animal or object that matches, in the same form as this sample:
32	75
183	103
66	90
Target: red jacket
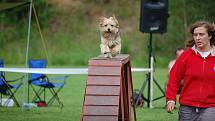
199	79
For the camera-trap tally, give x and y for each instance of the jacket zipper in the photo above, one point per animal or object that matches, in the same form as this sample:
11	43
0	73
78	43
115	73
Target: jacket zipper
204	61
203	70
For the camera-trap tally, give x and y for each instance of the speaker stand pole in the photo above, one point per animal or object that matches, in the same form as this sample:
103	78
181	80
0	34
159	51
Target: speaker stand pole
149	101
150	79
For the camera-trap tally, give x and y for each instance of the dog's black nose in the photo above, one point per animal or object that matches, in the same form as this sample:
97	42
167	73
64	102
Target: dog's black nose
108	29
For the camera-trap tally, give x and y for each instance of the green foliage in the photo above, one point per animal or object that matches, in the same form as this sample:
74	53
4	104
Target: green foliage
13	30
45	11
200	10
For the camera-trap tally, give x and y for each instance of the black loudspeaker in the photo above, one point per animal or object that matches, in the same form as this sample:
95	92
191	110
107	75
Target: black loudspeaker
153	16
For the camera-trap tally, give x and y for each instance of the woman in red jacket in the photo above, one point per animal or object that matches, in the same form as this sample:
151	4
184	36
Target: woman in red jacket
196	67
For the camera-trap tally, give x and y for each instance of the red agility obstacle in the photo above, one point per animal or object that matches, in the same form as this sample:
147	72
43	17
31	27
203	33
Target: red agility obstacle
109	90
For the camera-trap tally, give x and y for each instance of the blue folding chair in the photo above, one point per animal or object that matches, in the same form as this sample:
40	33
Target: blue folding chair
7	89
43	82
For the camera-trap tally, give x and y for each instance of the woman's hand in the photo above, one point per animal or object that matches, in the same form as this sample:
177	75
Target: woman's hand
170	106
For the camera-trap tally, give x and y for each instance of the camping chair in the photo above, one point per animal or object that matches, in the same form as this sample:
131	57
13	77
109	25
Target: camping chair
43	82
8	89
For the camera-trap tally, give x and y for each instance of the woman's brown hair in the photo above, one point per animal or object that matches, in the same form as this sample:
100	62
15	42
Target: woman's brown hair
210	30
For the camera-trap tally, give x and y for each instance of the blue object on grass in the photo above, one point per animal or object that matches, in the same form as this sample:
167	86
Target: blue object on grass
8	88
44	83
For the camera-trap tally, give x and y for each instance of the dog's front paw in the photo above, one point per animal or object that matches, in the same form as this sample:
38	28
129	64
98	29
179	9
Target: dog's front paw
107	55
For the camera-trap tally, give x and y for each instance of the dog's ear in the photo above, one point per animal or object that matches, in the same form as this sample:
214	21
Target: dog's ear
100	20
114	18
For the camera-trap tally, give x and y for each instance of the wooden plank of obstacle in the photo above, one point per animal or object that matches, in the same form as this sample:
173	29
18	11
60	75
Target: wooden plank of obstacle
108	90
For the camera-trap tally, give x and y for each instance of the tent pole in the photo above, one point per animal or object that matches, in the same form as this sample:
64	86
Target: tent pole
29	32
25	83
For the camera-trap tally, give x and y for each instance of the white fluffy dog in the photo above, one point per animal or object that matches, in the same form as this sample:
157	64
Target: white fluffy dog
110	38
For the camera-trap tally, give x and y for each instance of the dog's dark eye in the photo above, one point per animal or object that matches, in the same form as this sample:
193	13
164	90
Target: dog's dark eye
106	25
112	25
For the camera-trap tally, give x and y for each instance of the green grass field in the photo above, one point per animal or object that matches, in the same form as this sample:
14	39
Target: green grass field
72	96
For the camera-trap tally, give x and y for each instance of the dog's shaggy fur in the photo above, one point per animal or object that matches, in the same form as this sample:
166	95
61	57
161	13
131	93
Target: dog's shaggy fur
110	37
